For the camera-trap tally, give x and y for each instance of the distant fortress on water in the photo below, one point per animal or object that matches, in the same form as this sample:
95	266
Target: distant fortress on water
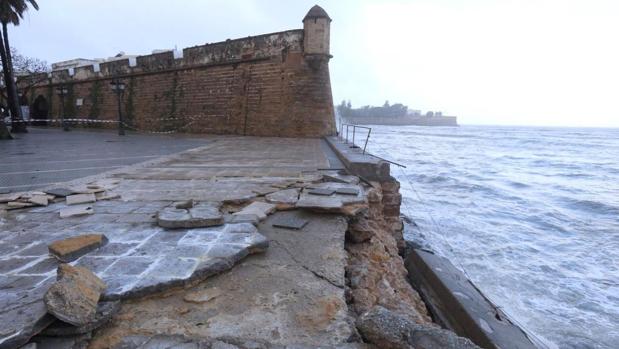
396	114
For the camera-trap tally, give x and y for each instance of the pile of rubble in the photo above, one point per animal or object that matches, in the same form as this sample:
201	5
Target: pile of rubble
78	198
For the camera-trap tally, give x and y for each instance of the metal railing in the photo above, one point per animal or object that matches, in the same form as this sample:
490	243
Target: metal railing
345	132
354	133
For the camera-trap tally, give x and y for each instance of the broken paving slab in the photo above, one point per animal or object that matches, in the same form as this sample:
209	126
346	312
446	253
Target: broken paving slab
338	203
340	178
22	323
284	199
74	297
15	205
41	200
174	258
320	203
70	249
4	198
106	196
242	218
105	312
289	222
77	199
347	191
260	209
204	214
63	192
76	211
321	191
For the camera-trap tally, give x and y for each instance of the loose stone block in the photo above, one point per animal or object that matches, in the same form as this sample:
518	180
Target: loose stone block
80	199
200	215
243	218
76	211
387	329
9	197
40	200
70	249
74	297
14	205
260	209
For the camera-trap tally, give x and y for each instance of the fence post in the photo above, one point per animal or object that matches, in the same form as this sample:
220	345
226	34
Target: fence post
366	140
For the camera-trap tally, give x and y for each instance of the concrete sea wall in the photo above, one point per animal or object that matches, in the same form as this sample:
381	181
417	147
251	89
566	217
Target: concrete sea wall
391	281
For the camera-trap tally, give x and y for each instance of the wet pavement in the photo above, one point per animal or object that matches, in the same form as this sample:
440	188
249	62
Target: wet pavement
48	155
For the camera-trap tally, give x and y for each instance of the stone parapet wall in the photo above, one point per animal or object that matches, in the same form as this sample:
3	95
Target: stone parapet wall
260	86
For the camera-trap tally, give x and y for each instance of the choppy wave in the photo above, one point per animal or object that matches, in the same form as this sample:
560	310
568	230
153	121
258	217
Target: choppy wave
531	214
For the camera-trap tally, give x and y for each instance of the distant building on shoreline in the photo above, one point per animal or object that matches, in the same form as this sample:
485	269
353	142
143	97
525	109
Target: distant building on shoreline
396	114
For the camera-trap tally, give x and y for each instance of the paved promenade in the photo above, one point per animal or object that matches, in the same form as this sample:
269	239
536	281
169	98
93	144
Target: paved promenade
49	155
289	292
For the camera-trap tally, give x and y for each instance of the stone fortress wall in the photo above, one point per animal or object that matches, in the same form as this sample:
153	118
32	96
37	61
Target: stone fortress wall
268	85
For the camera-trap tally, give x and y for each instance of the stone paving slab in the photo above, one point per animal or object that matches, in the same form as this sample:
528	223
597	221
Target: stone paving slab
284	199
347	204
260	209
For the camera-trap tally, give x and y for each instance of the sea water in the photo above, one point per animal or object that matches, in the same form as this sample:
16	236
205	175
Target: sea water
531	214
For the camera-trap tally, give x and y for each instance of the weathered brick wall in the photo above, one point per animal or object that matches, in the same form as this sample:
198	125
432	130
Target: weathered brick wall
261	86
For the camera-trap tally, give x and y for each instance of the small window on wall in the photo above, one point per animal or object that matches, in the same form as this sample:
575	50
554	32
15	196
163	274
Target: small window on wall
79	102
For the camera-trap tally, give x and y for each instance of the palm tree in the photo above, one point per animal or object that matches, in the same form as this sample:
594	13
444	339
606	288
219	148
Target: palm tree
12	11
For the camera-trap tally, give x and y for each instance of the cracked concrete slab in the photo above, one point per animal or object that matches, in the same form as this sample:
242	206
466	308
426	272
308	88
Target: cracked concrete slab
291	295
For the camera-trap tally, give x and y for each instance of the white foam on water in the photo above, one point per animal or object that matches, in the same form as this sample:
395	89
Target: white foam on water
531	215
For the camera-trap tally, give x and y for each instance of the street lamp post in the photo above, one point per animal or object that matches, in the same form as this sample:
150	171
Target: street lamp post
62	91
119	88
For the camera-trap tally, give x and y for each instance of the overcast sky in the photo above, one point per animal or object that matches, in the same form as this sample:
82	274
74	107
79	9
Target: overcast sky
514	62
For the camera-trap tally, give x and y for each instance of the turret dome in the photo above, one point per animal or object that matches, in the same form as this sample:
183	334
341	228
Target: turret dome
316	12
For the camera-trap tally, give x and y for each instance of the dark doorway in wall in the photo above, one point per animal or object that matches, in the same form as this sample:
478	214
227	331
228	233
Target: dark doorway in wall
39	110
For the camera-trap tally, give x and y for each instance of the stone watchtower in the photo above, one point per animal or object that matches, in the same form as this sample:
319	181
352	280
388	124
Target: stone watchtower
317	27
317	31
